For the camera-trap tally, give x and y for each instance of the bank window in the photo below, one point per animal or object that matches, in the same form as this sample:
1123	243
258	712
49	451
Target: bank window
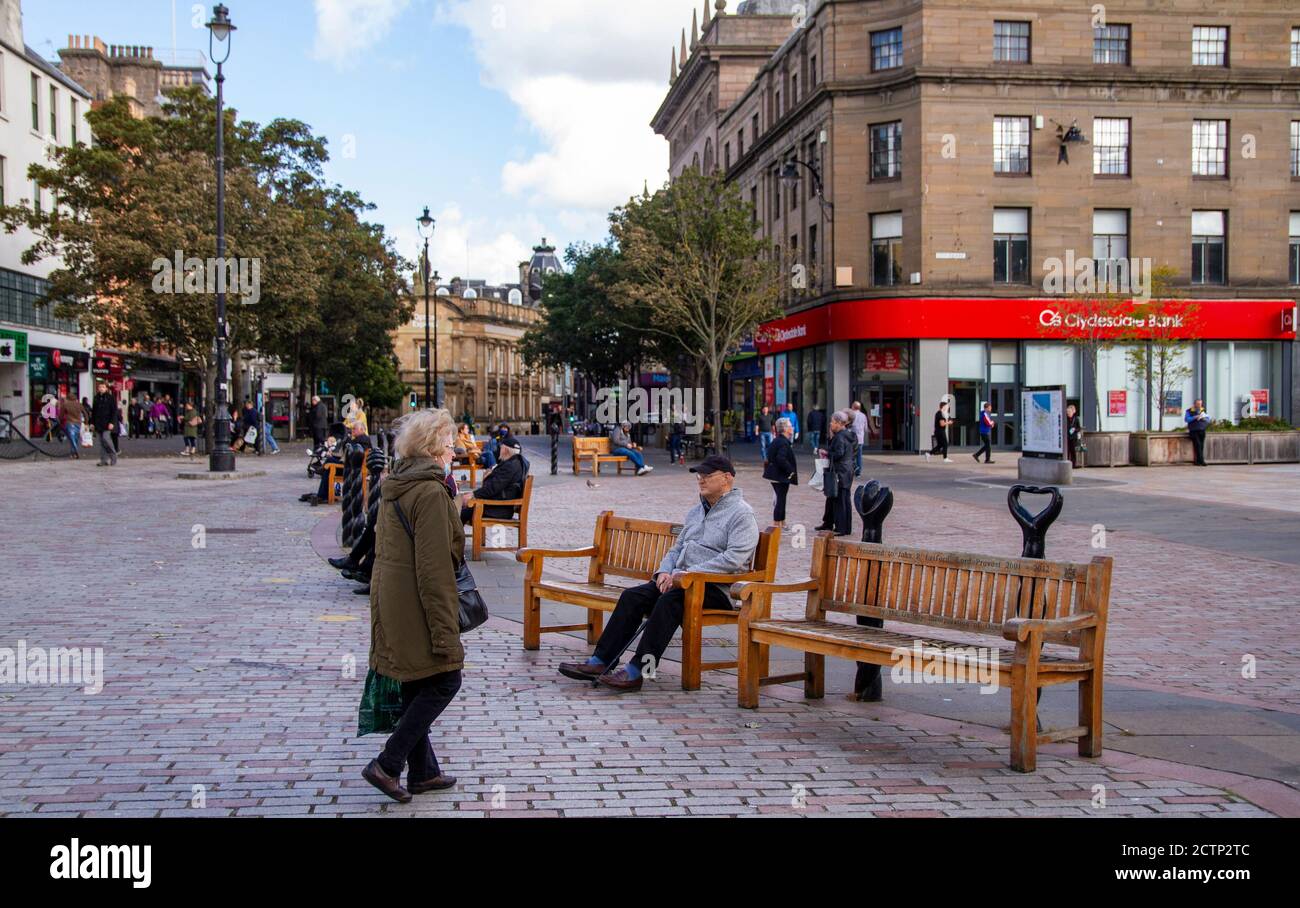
1110	149
1295	247
36	103
1011	245
1011	145
1010	42
1209	45
887	249
887	151
1209	148
1295	148
1110	247
1209	247
1110	45
886	49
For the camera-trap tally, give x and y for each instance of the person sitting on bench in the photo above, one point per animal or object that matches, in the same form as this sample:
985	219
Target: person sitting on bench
504	483
719	536
359	437
621	445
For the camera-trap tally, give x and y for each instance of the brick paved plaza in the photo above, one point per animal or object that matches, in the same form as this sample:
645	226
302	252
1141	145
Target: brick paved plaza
228	688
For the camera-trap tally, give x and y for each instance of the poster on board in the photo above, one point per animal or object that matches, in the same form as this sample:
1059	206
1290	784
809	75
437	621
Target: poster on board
1042	432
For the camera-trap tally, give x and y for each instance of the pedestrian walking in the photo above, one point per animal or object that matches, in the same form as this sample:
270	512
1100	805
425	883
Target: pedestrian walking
859	434
941	424
987	422
1198	421
414	603
103	416
71	416
50	419
192	421
320	421
781	469
816	425
838	477
765	426
791	415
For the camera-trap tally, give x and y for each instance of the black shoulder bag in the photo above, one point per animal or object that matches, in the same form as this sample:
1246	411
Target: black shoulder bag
473	610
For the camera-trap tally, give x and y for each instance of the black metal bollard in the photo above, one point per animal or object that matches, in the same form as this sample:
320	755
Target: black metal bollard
873	503
1034	527
375	464
353	457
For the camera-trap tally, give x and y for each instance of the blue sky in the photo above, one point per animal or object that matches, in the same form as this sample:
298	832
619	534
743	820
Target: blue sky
510	119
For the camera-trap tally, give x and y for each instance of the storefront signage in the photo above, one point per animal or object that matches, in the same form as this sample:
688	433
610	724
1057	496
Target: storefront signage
1013	319
13	346
38	367
1259	402
1173	403
1043	426
781	366
958	256
1118	403
884	359
769	382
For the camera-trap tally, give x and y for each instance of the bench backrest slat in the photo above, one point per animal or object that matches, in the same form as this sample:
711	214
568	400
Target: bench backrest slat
954	590
634	548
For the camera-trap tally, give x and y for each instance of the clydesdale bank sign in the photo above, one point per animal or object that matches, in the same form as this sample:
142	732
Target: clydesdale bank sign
969	318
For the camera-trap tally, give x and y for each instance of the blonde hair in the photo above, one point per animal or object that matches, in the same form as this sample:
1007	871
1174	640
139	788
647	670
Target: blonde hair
428	433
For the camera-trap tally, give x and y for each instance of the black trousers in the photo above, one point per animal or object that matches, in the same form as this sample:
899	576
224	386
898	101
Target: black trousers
363	553
1198	446
317	437
665	611
940	443
782	490
986	448
838	513
422	703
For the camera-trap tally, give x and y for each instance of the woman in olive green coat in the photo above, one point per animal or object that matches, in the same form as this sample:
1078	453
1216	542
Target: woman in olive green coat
414	603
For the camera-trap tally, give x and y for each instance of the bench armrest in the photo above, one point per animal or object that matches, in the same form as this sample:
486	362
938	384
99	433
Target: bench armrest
531	553
1020	629
756	596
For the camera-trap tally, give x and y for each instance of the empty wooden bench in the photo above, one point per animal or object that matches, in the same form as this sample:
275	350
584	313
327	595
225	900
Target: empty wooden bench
597	451
1024	601
480	522
625	547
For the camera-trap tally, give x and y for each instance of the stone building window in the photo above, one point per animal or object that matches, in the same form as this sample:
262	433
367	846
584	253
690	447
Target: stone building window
36	103
54	113
1210	45
1210	148
1010	42
1295	247
1110	246
1295	149
887	151
1295	46
886	49
1011	245
1209	247
1011	145
1110	45
1110	149
887	249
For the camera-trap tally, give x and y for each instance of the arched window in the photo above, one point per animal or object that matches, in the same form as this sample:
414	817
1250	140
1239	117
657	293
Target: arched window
695	161
708	156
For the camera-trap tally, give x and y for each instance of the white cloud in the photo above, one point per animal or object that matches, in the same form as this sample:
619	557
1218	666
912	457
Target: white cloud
587	77
347	28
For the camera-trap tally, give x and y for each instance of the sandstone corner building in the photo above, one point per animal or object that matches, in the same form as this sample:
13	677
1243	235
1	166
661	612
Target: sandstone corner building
922	164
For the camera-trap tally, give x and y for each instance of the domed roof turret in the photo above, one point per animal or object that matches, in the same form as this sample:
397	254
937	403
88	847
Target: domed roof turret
543	262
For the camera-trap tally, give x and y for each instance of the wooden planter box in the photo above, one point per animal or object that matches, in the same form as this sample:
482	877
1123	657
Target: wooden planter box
1107	449
1157	449
1275	447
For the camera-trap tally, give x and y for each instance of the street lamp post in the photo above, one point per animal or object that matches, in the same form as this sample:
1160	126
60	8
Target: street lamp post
790	177
222	458
426	225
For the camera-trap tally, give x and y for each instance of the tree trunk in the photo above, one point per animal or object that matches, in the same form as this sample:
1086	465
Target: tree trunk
715	387
210	415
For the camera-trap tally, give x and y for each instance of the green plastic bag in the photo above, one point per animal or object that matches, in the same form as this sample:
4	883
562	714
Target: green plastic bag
381	705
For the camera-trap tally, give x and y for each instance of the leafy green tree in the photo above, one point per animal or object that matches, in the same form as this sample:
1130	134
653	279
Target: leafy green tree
1157	357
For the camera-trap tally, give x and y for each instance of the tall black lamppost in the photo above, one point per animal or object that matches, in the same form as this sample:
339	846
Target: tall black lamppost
426	225
222	458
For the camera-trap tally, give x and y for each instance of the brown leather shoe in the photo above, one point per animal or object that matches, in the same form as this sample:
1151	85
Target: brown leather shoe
375	775
618	680
581	671
437	783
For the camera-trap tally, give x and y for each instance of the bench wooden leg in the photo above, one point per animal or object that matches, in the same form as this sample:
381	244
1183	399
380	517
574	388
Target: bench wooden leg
814	686
595	624
1024	707
749	670
1090	698
532	620
692	646
476	553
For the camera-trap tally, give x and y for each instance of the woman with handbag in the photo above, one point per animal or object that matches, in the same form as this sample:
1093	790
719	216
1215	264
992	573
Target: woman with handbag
838	479
414	601
780	468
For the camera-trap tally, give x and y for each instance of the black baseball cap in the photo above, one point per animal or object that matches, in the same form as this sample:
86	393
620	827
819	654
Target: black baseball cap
714	463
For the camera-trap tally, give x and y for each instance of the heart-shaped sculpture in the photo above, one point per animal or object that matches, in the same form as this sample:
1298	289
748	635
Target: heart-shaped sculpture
1034	527
873	502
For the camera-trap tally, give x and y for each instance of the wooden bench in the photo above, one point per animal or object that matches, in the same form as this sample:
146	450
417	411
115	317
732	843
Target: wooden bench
468	463
629	548
597	450
1024	601
480	523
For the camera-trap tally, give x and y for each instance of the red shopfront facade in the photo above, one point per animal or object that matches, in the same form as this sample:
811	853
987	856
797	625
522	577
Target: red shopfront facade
903	351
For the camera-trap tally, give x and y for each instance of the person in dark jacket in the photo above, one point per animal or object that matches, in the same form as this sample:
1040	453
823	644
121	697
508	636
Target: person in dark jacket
504	483
103	416
1198	421
816	425
781	469
414	603
986	426
838	489
320	421
1073	433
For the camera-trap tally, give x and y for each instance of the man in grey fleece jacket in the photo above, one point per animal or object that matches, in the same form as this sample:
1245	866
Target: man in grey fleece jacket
719	537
